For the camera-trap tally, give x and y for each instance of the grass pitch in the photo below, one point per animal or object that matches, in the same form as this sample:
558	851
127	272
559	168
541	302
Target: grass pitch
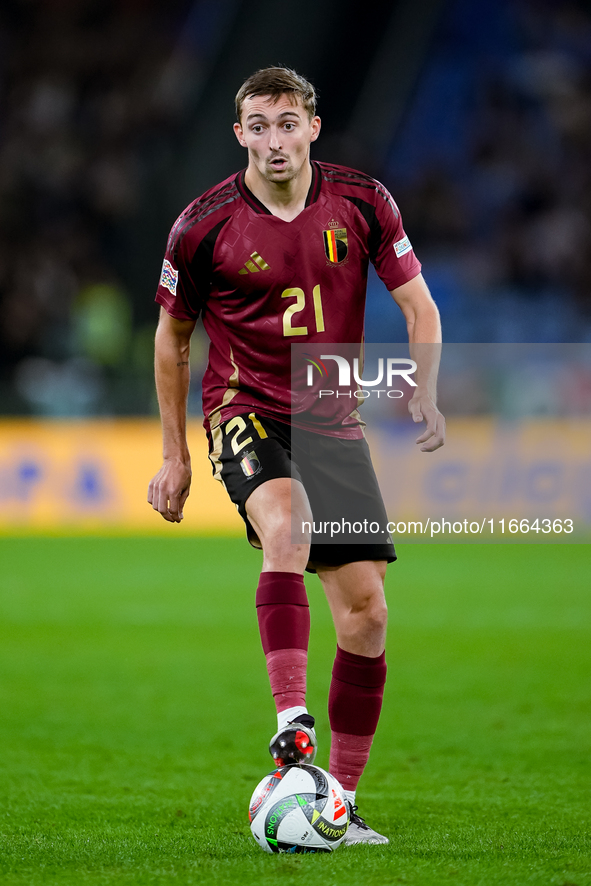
135	712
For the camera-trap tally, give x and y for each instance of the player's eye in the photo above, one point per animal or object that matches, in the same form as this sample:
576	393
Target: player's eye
257	128
289	126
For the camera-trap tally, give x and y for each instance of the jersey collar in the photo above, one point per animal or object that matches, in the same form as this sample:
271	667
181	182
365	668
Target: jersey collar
255	203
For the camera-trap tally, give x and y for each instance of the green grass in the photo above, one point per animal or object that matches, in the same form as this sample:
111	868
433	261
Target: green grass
131	678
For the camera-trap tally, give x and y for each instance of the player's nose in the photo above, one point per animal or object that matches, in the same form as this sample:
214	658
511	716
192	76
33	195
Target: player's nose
275	140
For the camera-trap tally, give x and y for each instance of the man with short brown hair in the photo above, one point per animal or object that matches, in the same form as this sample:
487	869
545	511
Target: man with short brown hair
278	254
276	82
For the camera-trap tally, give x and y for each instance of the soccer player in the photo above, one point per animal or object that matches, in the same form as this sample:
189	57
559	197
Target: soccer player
276	254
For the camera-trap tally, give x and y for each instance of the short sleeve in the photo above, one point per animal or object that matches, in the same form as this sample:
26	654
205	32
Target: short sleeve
391	251
176	290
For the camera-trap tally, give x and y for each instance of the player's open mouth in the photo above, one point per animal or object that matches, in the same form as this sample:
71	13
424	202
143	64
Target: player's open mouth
278	163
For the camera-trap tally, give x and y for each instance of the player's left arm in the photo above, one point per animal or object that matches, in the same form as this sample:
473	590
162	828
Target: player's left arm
424	336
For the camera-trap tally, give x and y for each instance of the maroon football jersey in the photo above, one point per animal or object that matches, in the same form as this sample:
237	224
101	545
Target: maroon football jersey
261	284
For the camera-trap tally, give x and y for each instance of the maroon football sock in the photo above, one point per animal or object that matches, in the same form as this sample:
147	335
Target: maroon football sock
284	624
354	705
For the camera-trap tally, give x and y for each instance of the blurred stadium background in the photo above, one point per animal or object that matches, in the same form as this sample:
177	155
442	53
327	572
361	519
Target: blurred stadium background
114	115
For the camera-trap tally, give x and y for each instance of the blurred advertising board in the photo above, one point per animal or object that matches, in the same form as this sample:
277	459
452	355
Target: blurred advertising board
88	476
527	481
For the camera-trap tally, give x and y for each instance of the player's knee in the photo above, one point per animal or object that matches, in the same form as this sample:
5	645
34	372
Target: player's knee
378	614
373	611
282	548
280	531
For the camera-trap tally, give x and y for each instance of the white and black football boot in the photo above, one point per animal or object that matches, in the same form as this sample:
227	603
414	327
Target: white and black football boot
295	743
360	832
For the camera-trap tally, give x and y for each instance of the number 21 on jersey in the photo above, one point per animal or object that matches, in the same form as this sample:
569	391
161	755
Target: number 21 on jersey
299	305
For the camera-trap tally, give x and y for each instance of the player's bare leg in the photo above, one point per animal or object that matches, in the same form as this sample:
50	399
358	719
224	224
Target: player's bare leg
283	614
355	594
271	509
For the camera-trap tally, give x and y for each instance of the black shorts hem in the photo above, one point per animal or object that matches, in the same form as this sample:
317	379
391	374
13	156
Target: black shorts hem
339	555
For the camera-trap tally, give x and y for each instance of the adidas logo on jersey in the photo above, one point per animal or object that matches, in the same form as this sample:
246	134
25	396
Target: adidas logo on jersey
257	264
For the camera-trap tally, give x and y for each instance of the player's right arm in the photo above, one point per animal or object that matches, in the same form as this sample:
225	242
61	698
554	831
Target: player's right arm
169	489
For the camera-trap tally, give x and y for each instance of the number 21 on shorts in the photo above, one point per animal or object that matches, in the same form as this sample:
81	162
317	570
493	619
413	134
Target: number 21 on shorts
238	425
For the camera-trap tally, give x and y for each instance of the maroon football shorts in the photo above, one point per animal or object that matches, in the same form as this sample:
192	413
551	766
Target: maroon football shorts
349	517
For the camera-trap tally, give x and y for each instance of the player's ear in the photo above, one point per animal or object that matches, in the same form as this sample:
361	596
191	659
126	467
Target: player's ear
239	134
315	124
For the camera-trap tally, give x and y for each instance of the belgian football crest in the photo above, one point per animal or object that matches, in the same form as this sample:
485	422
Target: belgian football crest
250	464
335	245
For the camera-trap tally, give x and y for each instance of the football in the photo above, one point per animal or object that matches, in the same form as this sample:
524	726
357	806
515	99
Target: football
298	808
